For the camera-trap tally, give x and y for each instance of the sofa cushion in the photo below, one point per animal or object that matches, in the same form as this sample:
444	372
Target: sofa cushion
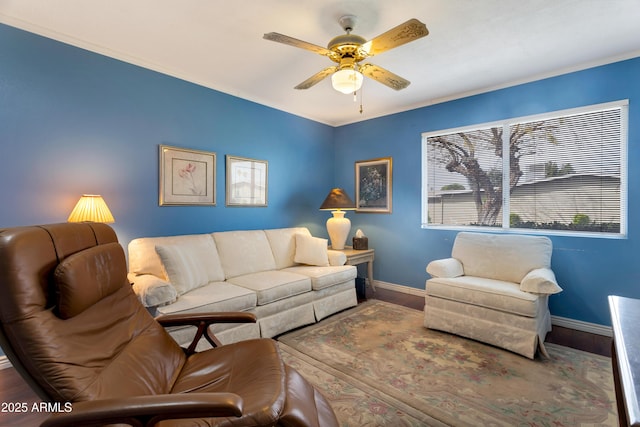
143	258
213	297
311	250
489	293
283	244
273	285
501	256
188	264
244	252
324	277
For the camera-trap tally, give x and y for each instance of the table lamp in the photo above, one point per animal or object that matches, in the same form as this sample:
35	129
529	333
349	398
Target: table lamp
338	226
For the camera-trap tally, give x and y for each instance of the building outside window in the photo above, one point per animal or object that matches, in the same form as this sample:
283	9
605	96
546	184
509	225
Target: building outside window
561	172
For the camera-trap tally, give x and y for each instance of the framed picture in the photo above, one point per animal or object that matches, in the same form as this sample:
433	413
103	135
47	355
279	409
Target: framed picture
374	185
187	177
247	181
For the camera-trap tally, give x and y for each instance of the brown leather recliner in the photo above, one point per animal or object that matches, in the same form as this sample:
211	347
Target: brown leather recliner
76	332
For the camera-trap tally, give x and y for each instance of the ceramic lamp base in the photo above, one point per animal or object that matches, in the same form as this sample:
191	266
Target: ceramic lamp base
338	228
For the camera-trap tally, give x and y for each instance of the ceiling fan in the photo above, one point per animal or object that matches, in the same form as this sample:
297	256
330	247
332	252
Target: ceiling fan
348	50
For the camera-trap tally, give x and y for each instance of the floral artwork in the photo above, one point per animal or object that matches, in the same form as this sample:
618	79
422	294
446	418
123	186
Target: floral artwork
191	176
187	177
373	185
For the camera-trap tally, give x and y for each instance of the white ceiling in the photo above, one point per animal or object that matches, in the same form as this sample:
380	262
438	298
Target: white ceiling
473	45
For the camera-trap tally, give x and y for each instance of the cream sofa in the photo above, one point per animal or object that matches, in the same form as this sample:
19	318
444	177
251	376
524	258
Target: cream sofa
286	277
494	289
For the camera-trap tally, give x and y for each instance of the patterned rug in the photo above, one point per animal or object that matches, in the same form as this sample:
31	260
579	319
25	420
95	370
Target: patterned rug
379	366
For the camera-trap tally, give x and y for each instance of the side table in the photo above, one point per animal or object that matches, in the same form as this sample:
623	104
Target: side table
355	257
625	316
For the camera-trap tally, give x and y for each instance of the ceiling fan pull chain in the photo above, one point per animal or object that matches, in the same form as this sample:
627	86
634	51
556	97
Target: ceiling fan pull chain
360	99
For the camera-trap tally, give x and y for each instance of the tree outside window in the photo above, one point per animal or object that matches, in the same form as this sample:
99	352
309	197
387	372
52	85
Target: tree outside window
540	173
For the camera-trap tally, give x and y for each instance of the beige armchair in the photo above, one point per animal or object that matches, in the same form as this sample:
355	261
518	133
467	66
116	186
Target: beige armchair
494	289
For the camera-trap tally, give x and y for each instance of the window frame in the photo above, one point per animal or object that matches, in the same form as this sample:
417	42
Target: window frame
505	124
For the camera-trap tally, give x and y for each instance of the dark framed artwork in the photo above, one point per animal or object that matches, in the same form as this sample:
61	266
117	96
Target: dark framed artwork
374	185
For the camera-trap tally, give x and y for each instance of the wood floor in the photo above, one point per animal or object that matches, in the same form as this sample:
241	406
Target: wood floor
14	390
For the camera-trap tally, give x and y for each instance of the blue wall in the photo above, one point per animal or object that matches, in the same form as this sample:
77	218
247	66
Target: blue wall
588	269
74	122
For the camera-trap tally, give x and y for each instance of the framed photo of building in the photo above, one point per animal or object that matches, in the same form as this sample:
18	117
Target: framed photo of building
374	185
187	177
247	182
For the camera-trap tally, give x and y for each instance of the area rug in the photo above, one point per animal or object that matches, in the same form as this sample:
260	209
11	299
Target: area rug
379	366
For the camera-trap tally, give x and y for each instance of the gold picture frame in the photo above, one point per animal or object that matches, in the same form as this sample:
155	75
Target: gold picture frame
187	177
247	183
374	185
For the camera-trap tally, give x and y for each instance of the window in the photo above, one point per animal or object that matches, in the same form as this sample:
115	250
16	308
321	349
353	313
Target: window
562	171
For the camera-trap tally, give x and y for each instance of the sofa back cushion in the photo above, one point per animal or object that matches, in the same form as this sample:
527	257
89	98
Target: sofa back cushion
283	244
188	264
506	257
244	252
144	258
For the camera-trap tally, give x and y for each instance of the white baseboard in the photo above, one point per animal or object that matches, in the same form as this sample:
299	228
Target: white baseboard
4	363
564	322
399	288
579	325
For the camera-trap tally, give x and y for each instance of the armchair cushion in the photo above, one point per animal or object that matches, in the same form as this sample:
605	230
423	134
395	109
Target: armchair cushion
500	256
540	281
311	250
234	368
448	267
103	267
480	291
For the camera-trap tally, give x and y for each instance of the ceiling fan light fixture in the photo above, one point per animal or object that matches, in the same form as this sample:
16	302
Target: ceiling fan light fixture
347	80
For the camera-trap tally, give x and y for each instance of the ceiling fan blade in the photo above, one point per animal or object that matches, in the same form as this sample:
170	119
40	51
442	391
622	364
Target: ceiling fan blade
316	78
383	76
281	38
397	36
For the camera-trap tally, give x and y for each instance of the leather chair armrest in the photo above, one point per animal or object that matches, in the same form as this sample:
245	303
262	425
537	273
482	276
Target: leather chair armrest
148	410
202	321
194	319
